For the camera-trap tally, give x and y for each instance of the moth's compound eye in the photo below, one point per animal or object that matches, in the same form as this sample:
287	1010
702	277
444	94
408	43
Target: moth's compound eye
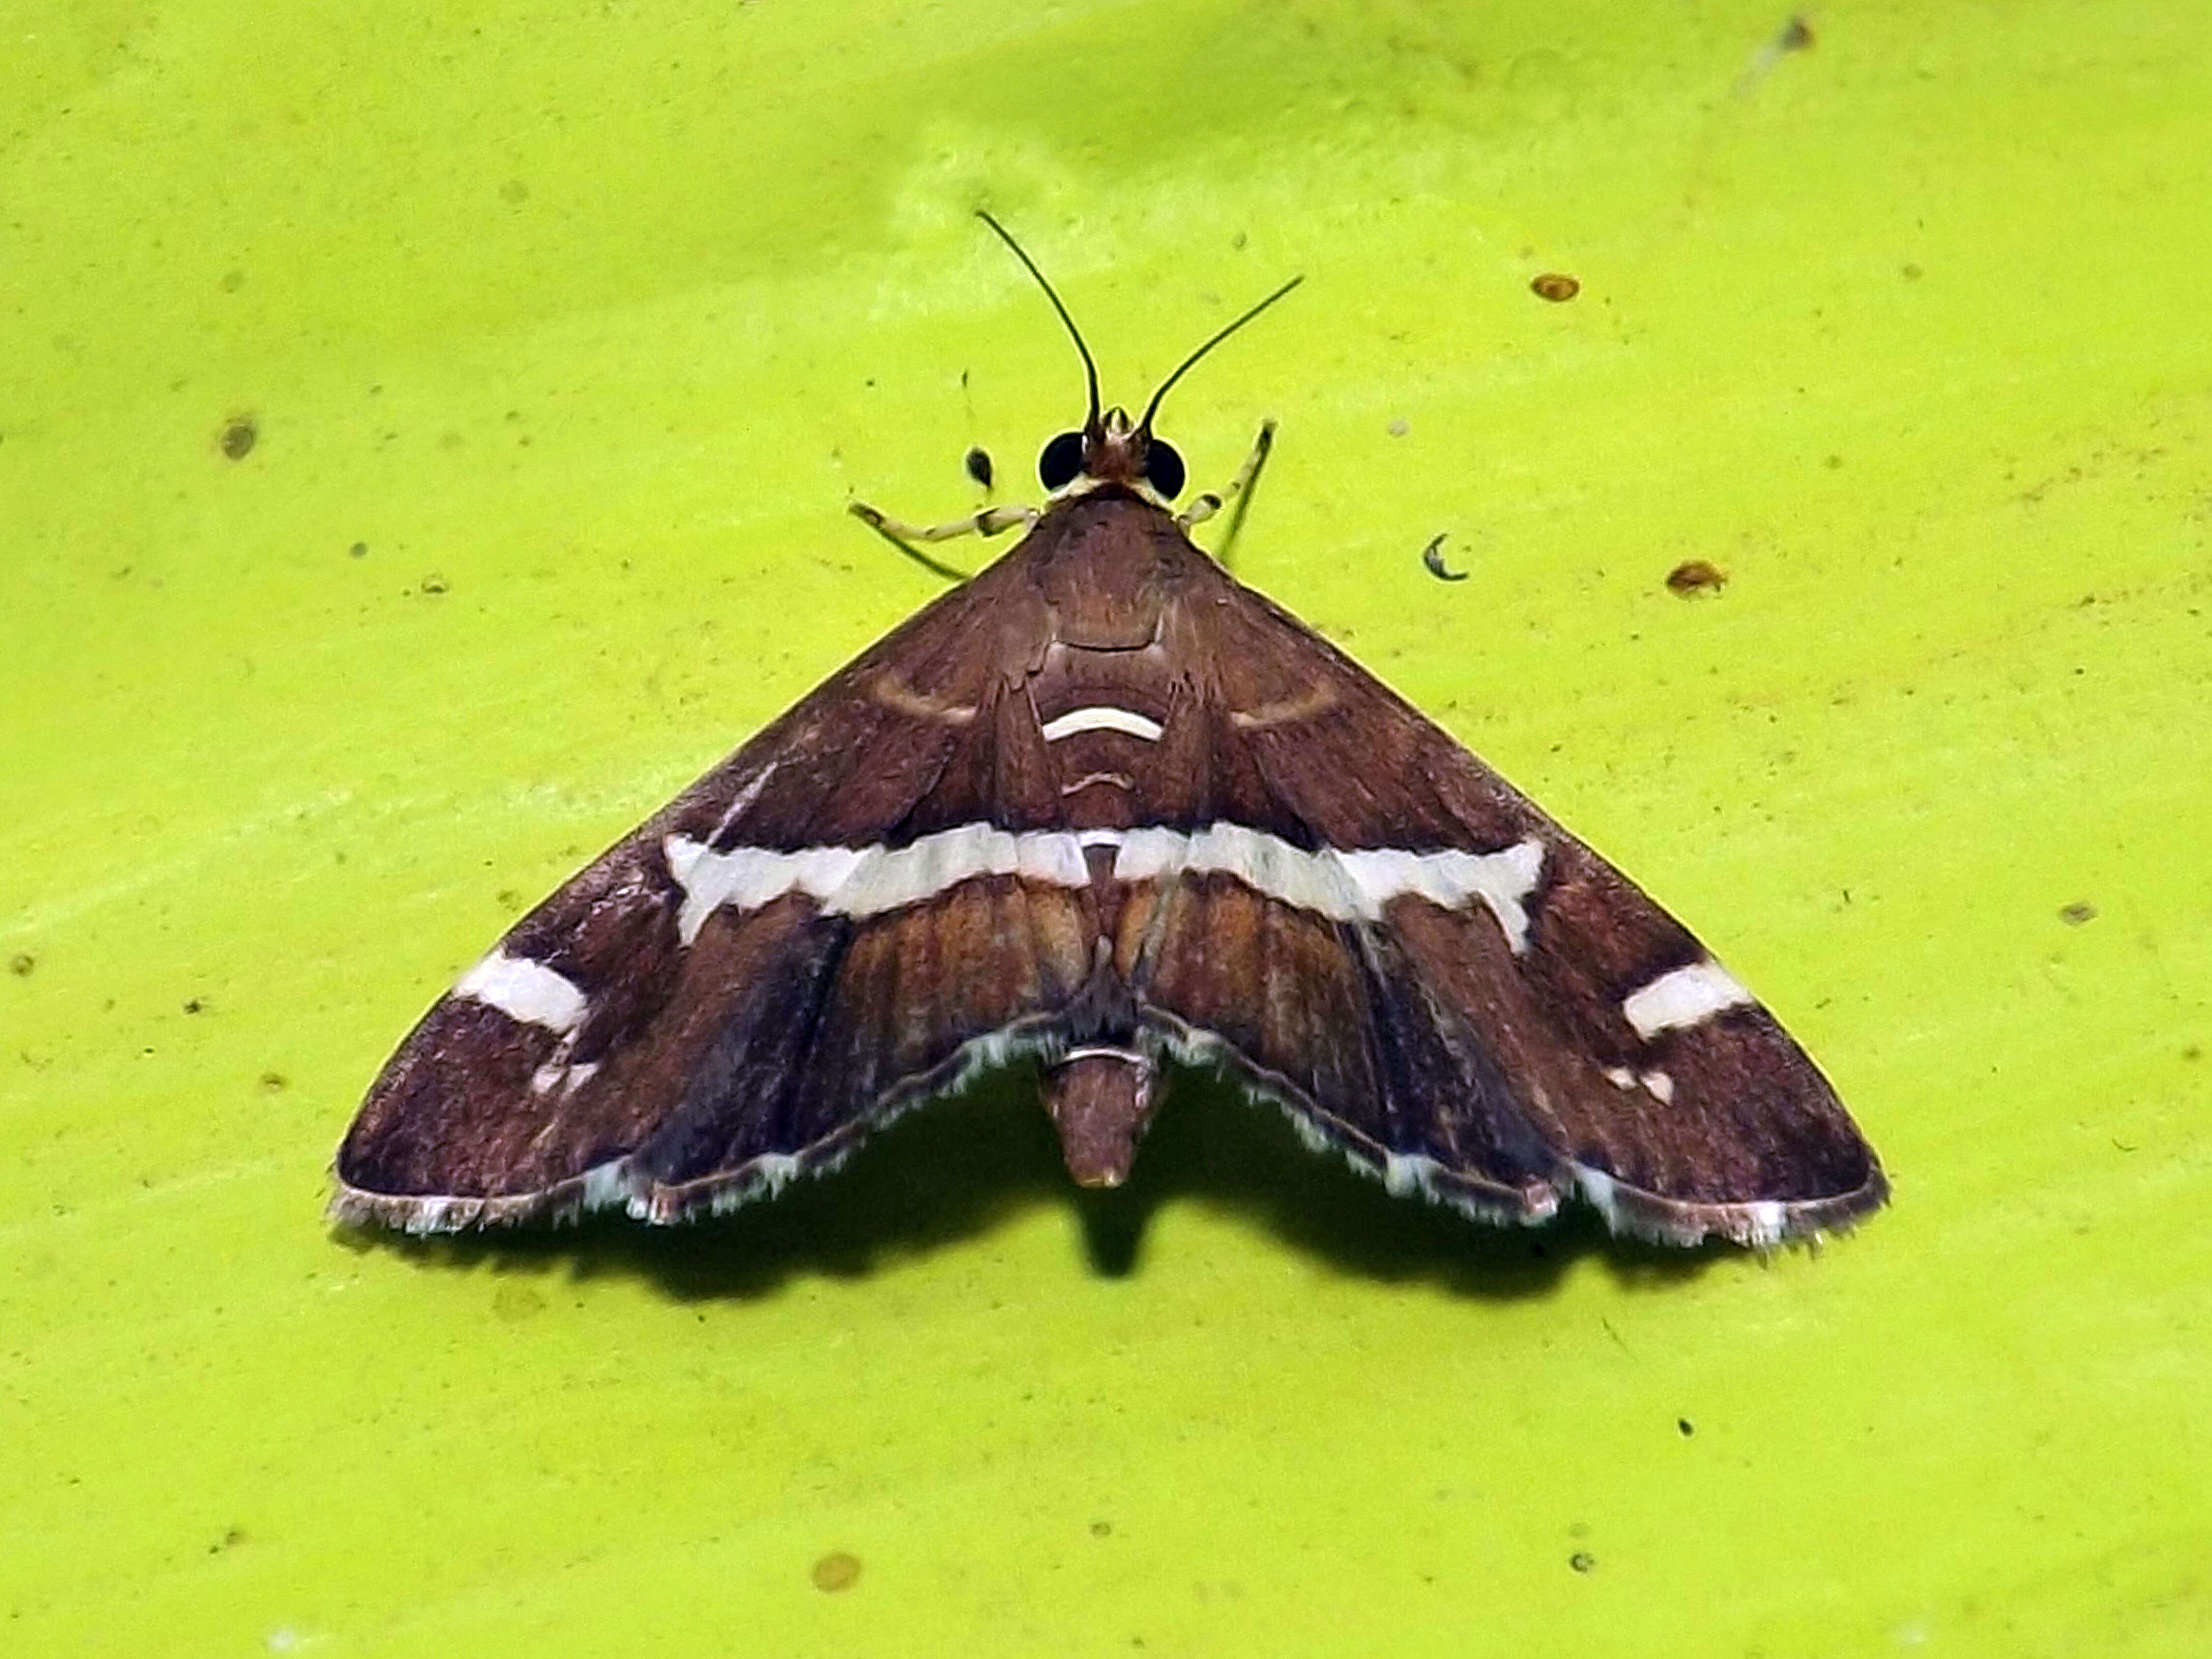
978	463
1061	462
1163	470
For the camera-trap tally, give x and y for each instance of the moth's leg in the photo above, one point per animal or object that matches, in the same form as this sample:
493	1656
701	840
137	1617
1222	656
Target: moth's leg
991	521
1209	504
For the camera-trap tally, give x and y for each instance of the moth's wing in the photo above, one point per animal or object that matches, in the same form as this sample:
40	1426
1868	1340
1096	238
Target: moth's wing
731	995
1467	1001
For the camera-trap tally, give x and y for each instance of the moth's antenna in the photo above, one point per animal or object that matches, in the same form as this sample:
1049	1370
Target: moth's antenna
1153	407
1089	368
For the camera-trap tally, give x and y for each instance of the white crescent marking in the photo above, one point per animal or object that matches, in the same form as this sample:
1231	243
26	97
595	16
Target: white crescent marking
1101	717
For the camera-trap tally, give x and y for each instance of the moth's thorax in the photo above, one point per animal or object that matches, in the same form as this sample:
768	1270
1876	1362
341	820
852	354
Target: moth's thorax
1106	563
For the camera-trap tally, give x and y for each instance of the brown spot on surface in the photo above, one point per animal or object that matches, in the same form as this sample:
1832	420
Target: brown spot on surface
1555	286
1583	1561
2078	913
240	433
1695	576
272	1083
21	963
840	1570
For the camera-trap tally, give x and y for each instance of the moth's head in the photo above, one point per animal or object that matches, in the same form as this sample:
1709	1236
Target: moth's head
1109	447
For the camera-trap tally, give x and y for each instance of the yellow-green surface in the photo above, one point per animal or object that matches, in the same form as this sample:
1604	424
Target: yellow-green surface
583	322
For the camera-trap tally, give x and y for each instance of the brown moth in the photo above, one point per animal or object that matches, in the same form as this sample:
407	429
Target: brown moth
1104	811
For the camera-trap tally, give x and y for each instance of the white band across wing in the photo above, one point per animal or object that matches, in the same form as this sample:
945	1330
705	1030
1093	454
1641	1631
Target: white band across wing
1684	996
1342	886
864	881
1101	717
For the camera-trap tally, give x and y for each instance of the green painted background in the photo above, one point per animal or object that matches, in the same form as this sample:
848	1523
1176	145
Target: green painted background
566	332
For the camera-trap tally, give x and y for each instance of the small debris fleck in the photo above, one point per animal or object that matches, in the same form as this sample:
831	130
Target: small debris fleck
21	963
358	550
193	1005
1583	1561
272	1083
2078	913
1695	576
978	463
1432	555
1101	1528
238	436
433	584
837	1570
1685	1427
1399	428
1555	286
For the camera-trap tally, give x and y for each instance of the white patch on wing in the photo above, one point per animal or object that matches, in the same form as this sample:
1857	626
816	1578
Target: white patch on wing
1620	1076
1101	717
527	991
1684	996
1661	1085
556	1075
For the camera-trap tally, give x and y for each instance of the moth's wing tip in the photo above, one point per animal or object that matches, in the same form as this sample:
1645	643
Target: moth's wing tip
1760	1225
